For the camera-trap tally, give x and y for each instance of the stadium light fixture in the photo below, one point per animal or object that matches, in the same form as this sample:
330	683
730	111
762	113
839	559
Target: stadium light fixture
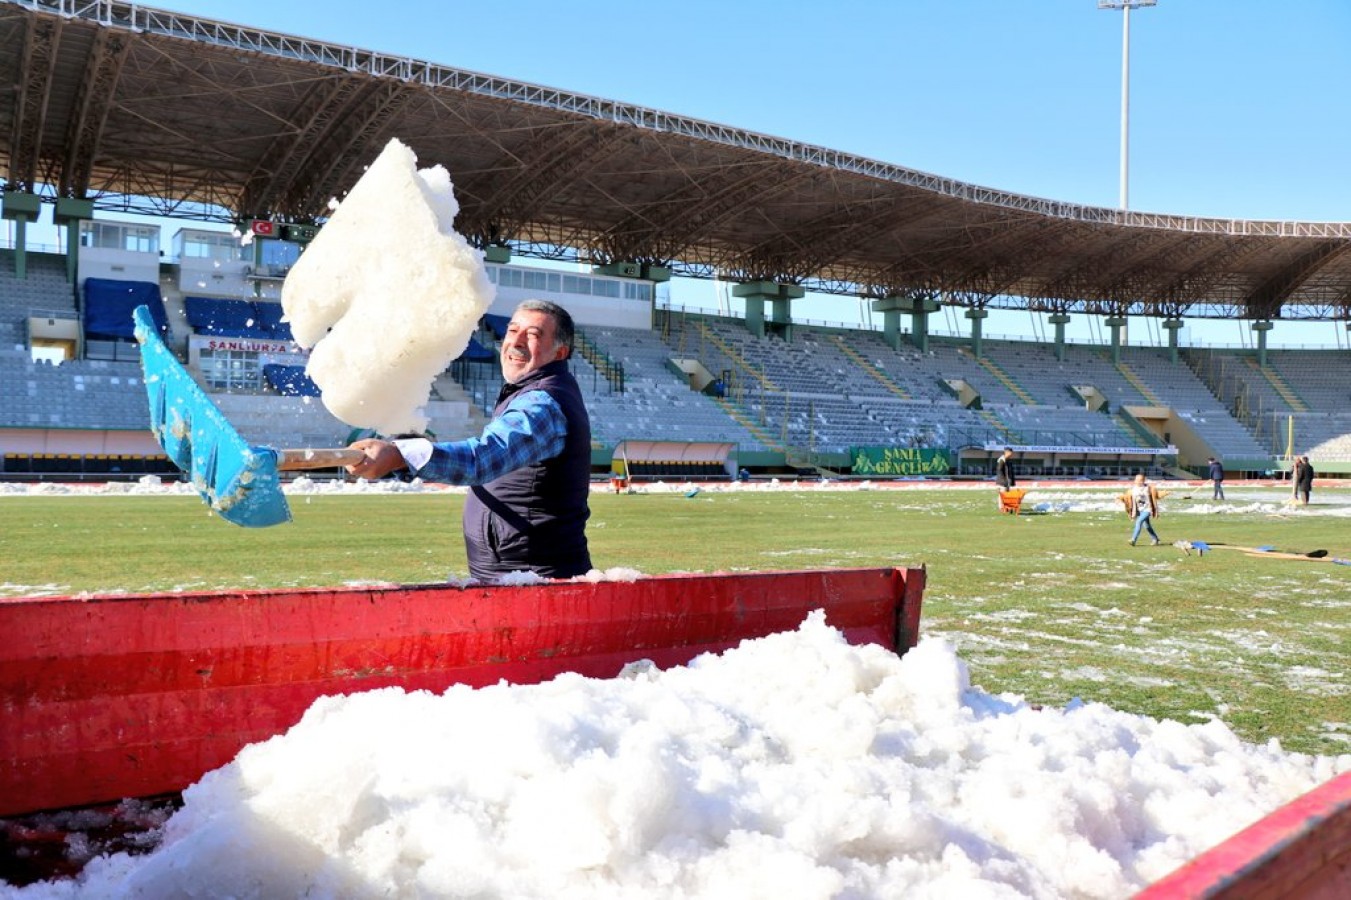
1125	6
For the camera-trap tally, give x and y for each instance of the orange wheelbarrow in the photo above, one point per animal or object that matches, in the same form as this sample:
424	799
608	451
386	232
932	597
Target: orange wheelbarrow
1011	501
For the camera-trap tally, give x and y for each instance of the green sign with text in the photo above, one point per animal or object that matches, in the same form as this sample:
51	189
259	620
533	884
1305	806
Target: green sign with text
899	461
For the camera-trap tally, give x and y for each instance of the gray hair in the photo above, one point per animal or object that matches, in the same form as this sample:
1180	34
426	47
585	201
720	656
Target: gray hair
564	332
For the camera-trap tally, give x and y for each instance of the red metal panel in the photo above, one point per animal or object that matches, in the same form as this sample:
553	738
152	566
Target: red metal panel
1301	850
132	695
907	630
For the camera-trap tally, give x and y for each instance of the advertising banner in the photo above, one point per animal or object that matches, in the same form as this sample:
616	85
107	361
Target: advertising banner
899	461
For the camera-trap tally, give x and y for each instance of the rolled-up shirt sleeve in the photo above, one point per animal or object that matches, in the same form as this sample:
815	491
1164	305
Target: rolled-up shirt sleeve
531	429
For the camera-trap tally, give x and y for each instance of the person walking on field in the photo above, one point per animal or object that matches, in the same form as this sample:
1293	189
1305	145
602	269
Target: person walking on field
1217	477
1004	477
1142	505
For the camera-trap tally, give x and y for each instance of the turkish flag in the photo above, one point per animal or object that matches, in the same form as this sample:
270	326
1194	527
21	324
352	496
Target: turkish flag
263	227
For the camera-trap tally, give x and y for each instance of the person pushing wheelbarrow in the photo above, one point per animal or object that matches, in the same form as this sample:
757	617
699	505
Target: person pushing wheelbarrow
1006	480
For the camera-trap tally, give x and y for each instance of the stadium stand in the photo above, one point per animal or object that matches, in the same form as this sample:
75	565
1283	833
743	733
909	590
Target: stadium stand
1301	397
1322	380
653	401
807	394
832	391
86	394
699	378
45	293
1051	380
80	393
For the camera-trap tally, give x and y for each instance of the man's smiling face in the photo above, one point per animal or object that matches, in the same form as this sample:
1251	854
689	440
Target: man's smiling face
529	344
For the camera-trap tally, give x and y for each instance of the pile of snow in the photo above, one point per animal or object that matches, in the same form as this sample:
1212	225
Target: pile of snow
794	766
387	294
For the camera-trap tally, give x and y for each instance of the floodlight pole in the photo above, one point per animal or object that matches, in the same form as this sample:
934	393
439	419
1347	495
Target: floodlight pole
1125	6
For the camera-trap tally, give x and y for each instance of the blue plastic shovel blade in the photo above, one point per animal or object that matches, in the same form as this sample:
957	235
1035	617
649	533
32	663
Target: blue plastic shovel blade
236	480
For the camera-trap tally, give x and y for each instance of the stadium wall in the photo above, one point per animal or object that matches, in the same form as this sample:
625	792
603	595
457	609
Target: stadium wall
616	302
78	441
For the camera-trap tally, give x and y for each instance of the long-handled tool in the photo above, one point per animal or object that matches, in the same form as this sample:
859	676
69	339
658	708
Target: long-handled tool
1201	547
1267	550
237	480
1311	556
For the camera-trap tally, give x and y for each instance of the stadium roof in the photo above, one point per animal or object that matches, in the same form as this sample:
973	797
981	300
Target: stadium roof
161	113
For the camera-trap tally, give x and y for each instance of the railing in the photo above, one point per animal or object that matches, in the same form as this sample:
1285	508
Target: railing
1246	405
610	369
40	313
7	242
474	375
1083	441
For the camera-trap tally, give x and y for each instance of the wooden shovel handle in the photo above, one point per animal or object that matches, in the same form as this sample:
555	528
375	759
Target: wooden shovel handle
293	460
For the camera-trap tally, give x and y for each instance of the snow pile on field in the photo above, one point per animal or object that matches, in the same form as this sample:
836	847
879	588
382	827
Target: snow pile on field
387	294
795	765
1249	502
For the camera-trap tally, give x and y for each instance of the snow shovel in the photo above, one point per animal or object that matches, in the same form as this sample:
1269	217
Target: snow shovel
238	481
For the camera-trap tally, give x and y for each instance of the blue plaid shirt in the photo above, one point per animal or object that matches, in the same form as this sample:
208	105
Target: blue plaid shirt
531	429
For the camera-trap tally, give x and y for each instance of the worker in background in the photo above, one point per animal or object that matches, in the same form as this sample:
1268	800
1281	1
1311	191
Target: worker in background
1142	505
1216	475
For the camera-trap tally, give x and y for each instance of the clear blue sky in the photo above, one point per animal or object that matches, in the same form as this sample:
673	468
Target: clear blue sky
1239	108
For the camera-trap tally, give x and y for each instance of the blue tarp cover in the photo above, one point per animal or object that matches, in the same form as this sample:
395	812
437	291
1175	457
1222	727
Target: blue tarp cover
290	381
223	318
227	317
268	320
108	304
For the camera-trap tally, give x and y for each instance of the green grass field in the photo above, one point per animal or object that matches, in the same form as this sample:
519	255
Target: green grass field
1050	606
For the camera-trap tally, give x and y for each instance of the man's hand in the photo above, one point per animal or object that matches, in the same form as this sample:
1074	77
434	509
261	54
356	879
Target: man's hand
382	457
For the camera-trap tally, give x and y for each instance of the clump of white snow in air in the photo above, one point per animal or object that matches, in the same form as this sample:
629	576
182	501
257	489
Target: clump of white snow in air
387	294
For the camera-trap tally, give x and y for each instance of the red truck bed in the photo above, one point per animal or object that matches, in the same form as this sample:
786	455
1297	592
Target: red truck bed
120	696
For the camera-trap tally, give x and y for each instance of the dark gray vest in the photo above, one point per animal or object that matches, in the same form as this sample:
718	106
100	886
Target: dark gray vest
535	517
